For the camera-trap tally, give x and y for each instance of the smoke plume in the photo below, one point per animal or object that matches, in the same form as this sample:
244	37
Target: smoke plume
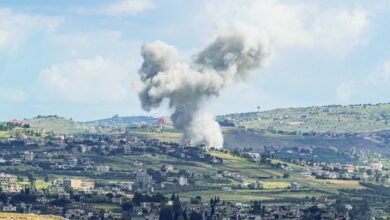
164	76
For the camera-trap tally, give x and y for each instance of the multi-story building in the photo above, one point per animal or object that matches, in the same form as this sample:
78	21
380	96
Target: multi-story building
79	184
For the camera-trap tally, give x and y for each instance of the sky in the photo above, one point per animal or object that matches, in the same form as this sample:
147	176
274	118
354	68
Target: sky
80	59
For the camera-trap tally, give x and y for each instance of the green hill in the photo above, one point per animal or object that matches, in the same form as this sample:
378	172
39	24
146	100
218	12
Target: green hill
118	122
58	124
331	118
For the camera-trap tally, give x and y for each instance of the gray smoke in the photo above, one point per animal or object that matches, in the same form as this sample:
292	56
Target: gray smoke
164	76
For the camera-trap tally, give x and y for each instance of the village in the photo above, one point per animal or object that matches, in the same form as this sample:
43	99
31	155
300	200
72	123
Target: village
76	176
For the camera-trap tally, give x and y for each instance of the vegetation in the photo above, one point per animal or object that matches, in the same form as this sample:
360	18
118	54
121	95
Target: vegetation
58	125
332	118
9	215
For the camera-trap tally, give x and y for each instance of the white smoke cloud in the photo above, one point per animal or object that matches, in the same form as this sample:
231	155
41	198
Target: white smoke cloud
230	57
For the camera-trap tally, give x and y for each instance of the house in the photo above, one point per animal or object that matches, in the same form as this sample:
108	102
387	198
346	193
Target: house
28	156
55	210
183	181
377	166
126	186
63	195
138	163
168	167
15	162
143	178
346	176
306	175
295	185
84	148
74	213
12	187
79	184
117	199
127	149
257	185
9	208
71	161
255	156
6	177
164	121
102	168
350	168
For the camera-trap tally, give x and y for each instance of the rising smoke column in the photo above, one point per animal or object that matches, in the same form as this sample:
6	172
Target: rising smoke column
164	76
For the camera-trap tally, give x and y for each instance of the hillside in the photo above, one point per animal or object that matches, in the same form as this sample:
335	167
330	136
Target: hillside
58	124
332	118
118	122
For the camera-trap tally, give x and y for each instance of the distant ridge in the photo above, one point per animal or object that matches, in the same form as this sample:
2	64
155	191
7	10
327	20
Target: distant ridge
355	118
121	121
328	118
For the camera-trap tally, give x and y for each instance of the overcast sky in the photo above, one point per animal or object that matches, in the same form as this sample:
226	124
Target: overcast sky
79	59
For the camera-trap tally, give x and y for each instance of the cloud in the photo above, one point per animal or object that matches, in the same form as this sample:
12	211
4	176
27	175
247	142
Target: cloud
293	25
131	7
15	28
380	75
110	43
120	8
375	82
345	91
87	81
12	95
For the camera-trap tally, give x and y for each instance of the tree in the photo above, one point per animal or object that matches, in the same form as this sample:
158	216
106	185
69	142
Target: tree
60	202
256	208
3	198
109	195
23	197
127	206
138	198
32	180
196	216
166	213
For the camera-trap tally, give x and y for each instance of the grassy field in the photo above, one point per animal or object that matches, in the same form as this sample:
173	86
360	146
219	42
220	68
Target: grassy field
9	215
165	136
249	195
241	165
4	134
59	125
332	185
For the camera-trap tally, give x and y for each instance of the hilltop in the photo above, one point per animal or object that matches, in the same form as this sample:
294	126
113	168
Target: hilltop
316	119
58	124
365	126
118	122
321	119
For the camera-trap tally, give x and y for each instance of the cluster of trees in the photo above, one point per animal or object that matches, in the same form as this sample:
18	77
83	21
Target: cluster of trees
25	196
7	126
